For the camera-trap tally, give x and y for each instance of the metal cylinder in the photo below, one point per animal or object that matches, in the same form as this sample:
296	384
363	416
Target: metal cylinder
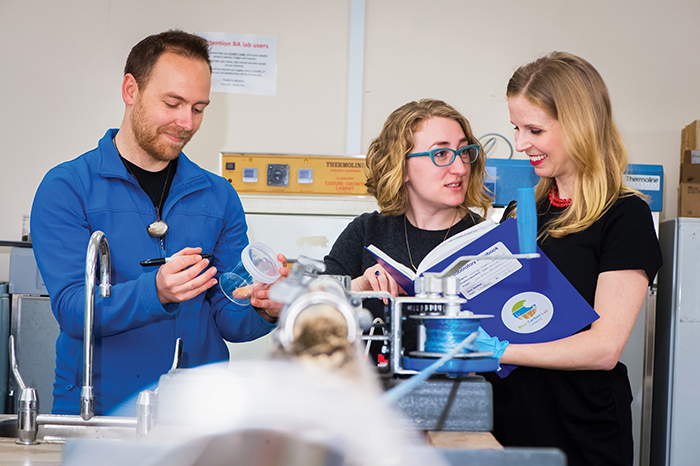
26	417
285	327
433	286
451	286
146	412
419	287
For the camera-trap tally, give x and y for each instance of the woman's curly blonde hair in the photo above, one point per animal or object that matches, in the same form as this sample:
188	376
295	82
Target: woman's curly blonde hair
386	157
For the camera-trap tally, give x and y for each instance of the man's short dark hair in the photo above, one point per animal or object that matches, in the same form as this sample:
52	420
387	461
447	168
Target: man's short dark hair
145	54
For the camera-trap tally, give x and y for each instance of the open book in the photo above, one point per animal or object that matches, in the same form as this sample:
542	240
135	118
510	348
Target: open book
530	299
449	248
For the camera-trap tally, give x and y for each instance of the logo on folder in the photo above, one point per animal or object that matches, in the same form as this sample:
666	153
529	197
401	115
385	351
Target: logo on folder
527	312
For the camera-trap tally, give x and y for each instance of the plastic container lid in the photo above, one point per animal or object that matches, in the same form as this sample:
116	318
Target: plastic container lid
260	260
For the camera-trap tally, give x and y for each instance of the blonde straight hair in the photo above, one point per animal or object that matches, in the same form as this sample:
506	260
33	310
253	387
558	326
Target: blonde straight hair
570	90
386	157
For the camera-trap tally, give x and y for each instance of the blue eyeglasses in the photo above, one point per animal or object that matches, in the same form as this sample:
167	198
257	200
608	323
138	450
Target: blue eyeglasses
444	156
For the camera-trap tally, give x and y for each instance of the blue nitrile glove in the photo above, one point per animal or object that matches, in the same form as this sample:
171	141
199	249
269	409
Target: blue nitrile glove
487	343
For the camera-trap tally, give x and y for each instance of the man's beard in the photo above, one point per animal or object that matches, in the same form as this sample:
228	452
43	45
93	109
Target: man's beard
149	139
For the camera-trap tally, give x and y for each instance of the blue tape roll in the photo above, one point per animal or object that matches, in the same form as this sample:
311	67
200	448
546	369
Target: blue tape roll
443	335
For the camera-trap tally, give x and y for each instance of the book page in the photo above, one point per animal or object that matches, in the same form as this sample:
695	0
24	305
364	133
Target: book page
478	276
457	242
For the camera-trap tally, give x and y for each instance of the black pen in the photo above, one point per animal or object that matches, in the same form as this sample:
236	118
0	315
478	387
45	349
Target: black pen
163	260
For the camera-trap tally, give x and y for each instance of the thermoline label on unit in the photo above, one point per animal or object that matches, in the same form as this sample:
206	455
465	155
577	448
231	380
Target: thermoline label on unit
643	182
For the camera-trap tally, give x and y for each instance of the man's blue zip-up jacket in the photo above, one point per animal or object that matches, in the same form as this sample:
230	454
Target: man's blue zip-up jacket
134	334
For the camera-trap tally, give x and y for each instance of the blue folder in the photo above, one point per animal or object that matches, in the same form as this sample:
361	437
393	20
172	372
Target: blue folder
533	304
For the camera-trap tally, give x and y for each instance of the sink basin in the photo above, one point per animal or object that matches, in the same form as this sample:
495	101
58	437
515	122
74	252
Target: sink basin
8	425
59	428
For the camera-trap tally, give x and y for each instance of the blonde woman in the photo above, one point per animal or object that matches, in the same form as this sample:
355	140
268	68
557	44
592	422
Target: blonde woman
574	393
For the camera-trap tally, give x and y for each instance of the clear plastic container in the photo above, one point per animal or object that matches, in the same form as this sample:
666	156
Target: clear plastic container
258	264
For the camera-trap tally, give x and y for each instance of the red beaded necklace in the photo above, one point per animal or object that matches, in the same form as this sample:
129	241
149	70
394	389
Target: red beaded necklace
555	200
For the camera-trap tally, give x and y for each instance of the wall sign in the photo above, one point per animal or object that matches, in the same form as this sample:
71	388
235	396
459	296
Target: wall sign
243	63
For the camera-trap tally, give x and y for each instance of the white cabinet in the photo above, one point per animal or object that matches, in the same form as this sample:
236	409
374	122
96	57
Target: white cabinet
676	401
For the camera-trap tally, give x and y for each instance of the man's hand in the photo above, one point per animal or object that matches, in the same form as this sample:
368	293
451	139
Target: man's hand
260	295
184	276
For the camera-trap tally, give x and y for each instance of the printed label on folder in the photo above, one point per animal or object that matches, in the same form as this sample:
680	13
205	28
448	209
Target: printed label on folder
480	275
527	312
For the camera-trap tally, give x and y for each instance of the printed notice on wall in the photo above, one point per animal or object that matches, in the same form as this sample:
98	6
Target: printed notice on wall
243	63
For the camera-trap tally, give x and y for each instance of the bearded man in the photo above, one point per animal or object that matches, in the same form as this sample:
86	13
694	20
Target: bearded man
150	201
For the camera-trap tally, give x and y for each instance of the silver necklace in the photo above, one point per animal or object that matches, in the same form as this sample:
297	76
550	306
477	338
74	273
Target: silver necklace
405	230
159	228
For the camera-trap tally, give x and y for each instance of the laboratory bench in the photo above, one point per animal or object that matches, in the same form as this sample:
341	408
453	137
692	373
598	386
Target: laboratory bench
457	448
43	454
49	453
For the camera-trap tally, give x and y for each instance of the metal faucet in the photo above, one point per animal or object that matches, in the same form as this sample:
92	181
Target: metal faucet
97	246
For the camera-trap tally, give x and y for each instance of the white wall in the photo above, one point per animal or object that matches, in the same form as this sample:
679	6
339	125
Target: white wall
61	69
